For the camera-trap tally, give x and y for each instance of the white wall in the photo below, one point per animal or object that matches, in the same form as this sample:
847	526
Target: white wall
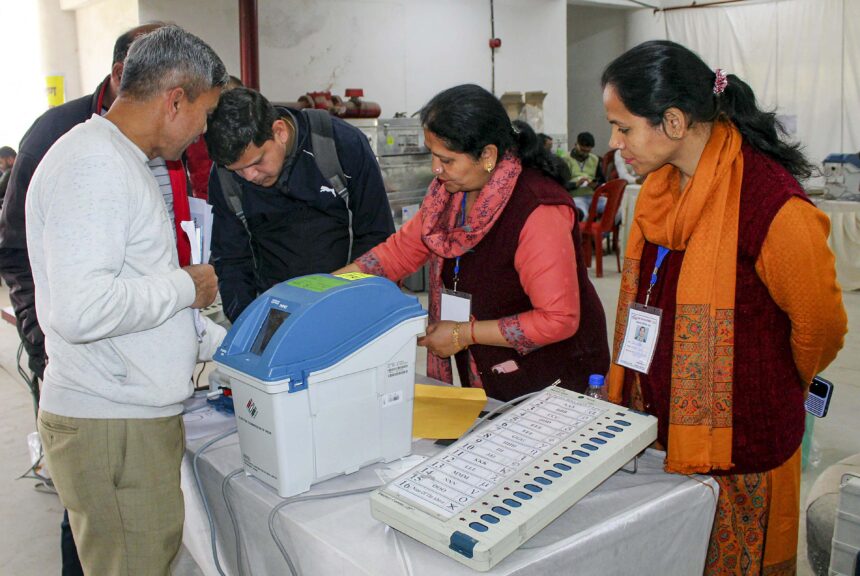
216	21
595	36
99	24
643	25
28	30
533	54
401	52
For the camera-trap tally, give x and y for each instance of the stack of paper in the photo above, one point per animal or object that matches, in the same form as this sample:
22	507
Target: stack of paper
201	215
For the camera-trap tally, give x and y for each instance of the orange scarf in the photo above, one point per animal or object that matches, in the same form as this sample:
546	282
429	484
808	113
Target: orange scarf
702	221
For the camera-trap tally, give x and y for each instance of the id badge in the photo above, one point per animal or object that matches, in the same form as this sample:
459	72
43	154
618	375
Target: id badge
455	306
640	338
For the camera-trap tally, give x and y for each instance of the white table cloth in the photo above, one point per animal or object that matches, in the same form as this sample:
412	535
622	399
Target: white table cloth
645	523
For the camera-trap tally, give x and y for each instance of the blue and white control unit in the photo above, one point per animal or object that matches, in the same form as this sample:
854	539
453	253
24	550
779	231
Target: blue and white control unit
322	369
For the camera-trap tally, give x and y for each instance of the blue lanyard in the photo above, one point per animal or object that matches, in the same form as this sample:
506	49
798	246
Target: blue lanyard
462	223
661	255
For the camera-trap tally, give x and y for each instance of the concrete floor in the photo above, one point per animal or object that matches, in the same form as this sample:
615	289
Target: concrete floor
30	518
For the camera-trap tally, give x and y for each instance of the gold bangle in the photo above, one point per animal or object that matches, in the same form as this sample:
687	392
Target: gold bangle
455	336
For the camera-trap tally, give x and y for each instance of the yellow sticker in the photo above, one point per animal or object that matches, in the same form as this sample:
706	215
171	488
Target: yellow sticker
354	276
390	140
55	90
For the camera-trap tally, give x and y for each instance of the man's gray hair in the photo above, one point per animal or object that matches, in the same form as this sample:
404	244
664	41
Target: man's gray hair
167	58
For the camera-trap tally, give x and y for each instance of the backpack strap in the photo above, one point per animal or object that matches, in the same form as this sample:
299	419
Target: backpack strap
232	191
325	155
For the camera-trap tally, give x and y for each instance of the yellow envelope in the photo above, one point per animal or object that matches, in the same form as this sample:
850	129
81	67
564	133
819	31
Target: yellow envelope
445	411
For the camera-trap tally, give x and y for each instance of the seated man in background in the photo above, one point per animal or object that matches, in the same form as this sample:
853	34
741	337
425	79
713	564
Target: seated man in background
584	165
585	172
275	215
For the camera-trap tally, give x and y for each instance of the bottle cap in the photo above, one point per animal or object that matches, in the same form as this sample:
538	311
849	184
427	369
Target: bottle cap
595	380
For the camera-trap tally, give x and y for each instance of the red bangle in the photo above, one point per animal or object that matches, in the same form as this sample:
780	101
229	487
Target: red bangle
472	331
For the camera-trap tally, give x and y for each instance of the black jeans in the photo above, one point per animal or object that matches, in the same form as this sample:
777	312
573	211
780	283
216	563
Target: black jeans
71	562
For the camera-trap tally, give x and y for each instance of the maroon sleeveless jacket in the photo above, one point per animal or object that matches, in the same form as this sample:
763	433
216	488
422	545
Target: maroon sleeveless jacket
487	273
767	394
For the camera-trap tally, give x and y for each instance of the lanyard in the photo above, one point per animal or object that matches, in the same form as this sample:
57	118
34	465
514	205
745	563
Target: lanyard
462	223
661	255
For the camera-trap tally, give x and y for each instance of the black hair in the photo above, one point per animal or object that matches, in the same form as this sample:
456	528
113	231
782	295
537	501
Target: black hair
657	75
7	152
585	139
467	118
243	116
532	152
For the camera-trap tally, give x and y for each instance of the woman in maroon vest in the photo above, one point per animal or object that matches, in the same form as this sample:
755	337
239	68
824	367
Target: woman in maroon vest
506	270
728	248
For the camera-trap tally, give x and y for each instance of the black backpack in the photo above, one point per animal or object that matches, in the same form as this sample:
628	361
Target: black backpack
325	155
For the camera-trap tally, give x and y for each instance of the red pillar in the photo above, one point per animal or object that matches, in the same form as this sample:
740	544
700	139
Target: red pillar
249	44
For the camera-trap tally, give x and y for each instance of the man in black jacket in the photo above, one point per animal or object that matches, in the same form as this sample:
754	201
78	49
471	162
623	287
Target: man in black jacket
47	129
14	260
296	222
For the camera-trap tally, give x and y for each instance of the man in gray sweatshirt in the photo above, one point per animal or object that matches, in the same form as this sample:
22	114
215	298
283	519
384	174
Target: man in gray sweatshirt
118	312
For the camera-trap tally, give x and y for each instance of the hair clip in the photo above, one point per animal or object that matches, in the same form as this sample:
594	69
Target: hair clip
720	82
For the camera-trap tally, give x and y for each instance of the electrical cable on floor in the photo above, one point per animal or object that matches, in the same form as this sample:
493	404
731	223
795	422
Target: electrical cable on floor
293	569
44	484
203	494
33	474
232	514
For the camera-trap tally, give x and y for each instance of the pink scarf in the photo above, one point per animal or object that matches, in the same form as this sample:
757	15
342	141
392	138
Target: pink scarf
441	233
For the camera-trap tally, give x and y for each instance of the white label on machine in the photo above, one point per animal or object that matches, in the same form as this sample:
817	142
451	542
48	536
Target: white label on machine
452	481
397	368
392	398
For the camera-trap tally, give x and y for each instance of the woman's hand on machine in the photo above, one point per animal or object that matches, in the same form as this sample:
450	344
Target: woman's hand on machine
445	338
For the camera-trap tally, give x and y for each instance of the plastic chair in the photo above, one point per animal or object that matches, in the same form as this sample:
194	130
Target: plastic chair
607	164
595	227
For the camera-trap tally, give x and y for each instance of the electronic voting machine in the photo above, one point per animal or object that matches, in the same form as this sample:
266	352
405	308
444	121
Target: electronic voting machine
322	369
485	495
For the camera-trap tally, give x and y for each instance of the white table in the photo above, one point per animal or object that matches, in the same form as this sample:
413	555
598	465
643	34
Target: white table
844	240
647	523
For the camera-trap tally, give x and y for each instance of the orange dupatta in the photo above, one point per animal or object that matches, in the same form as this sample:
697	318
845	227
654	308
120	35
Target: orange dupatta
703	221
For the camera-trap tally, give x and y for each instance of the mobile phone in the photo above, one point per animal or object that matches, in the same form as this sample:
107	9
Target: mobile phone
505	367
818	399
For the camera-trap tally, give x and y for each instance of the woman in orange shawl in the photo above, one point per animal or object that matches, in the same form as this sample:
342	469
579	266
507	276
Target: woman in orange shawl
750	306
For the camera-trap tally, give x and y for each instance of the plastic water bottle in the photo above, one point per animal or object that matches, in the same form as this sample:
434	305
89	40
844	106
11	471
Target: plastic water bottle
596	389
